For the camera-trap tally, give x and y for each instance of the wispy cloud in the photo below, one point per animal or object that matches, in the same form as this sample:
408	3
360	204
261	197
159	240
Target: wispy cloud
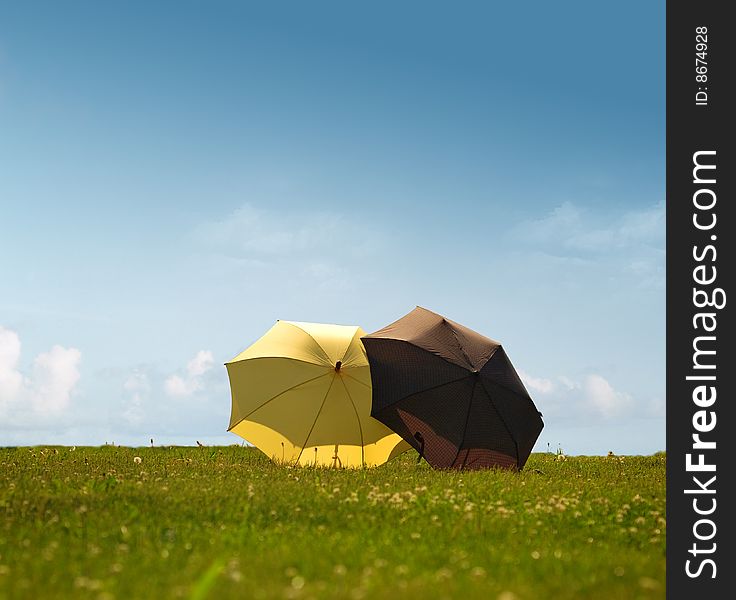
629	244
300	245
265	234
573	230
139	387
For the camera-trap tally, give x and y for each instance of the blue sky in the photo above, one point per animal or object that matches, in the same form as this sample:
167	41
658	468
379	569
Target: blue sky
174	177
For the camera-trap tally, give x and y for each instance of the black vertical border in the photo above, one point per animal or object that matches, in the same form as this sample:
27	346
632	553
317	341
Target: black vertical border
691	128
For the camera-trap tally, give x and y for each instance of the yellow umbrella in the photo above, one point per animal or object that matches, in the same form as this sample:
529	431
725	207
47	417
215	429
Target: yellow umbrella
302	394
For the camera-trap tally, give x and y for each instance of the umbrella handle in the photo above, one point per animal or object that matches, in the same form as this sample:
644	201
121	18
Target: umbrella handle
336	459
419	438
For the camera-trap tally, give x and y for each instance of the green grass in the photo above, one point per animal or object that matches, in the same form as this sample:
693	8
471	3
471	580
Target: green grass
226	523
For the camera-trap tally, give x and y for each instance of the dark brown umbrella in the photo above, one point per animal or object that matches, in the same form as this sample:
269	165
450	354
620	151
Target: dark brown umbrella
451	393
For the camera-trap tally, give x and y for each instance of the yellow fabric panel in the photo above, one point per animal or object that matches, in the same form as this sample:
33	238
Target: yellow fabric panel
270	442
373	430
293	413
400	448
380	443
337	421
324	456
384	449
360	375
286	340
279	450
333	339
355	355
256	381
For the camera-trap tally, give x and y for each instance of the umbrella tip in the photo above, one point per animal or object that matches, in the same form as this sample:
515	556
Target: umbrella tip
338	364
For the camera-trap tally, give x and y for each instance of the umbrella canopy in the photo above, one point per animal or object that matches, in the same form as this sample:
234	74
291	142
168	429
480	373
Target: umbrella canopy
451	393
302	394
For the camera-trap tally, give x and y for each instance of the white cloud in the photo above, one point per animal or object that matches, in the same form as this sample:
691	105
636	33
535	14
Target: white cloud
568	383
55	375
45	393
536	384
195	401
191	381
600	395
176	386
590	396
200	364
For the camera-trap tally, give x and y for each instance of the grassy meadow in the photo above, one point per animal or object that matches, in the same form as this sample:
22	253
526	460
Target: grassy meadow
224	522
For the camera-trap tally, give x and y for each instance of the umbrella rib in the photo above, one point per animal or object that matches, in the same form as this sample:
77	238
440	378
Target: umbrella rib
355	379
327	358
490	356
439	385
512	391
350	343
500	416
260	406
319	412
505	386
301	360
467	418
422	348
360	426
459	345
